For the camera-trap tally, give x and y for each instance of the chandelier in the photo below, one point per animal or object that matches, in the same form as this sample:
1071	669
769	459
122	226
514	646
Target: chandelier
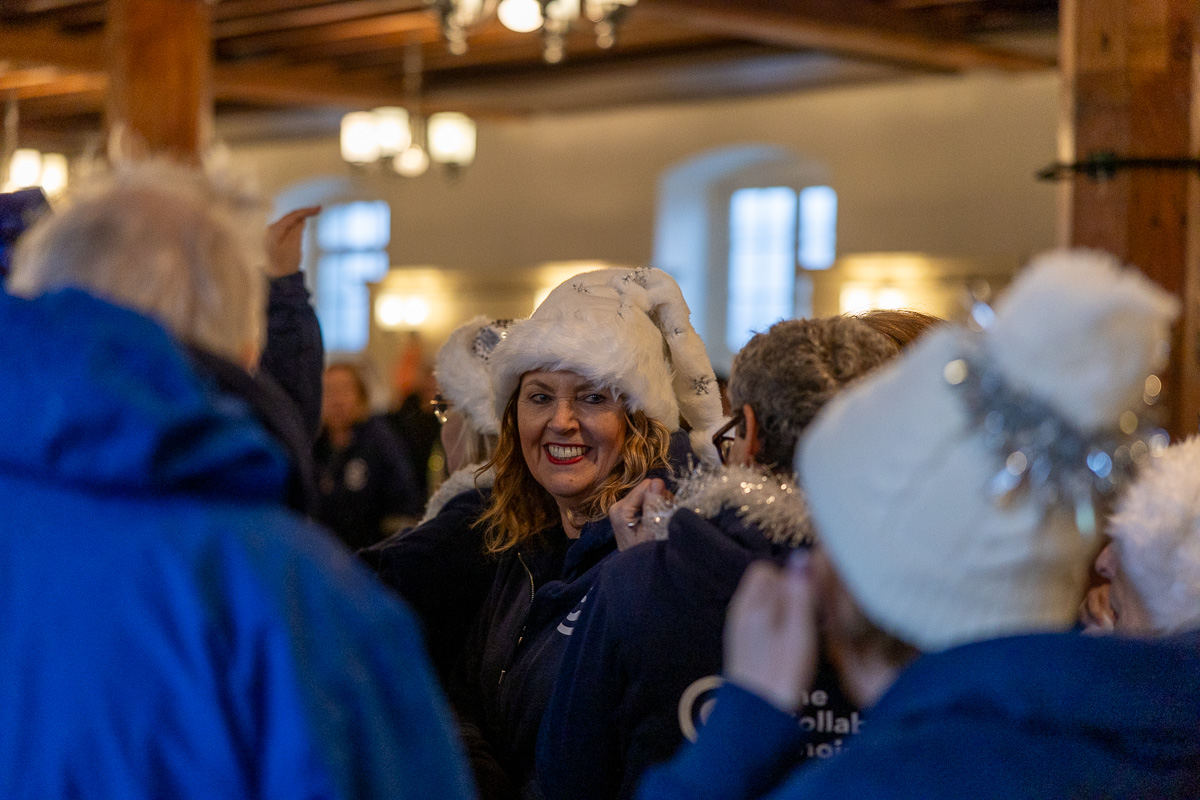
407	143
555	19
404	142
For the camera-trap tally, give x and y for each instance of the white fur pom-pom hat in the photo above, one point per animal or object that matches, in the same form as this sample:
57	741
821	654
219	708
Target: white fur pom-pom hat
625	329
463	370
1157	525
953	489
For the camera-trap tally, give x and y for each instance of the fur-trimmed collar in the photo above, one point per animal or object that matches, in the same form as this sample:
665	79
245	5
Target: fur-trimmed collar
769	502
463	480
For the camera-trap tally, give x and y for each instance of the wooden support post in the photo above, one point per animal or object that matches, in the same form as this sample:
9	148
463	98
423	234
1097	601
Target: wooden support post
160	74
1131	87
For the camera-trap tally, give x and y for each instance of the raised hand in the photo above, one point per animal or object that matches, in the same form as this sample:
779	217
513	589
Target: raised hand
771	639
284	237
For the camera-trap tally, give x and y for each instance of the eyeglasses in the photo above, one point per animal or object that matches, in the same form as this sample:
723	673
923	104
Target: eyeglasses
723	439
440	406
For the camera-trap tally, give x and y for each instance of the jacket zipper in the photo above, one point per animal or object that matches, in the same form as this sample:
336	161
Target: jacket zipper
532	593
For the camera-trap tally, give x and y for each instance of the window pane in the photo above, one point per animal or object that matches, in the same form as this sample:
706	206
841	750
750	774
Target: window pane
352	238
818	227
355	226
762	263
342	304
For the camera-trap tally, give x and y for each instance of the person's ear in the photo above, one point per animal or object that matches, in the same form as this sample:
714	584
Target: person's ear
753	442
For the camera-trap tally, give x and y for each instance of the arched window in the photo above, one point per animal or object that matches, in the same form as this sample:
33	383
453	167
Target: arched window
739	228
352	239
345	250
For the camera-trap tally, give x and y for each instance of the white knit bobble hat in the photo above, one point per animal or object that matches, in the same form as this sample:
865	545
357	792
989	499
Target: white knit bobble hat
897	476
1157	523
463	370
626	329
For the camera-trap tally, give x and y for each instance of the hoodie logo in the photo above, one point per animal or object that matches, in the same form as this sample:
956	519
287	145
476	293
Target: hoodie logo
696	704
567	626
355	476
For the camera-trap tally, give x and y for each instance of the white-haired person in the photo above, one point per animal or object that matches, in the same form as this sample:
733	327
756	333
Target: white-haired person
1150	570
169	628
589	392
440	567
952	495
635	685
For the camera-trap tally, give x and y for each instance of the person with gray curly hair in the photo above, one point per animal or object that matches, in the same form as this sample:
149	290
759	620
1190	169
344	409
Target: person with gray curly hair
165	240
783	377
634	685
191	249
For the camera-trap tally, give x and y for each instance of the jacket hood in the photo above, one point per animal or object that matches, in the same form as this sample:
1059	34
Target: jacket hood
100	397
1138	696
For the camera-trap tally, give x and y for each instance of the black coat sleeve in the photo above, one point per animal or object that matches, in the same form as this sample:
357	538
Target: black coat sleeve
294	355
441	569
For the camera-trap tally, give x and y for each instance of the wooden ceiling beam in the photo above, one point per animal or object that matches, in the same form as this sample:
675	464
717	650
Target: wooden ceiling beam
789	29
42	6
265	43
44	44
270	81
80	83
311	15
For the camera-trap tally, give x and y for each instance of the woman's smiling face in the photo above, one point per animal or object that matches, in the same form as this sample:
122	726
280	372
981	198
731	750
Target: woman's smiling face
571	433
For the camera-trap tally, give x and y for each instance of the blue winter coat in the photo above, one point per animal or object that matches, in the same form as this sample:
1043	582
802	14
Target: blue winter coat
1037	716
167	630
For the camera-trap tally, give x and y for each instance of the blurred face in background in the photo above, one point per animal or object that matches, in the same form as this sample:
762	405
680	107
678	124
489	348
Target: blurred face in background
344	402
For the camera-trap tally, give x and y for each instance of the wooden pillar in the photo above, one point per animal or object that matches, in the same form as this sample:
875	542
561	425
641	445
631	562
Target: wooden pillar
160	74
1131	85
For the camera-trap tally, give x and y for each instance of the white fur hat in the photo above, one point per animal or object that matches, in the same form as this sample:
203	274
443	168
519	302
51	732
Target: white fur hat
627	329
1157	523
902	470
463	370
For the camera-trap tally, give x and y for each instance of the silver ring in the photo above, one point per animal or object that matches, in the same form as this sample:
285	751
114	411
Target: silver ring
631	524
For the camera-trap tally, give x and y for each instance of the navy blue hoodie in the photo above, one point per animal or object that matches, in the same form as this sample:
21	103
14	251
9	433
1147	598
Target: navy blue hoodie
644	661
1036	716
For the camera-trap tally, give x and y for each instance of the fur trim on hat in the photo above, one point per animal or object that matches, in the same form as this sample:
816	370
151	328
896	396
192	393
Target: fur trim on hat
897	475
1157	523
626	330
761	498
467	479
463	374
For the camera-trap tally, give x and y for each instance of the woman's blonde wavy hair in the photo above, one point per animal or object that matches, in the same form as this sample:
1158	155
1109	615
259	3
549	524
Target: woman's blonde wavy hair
521	510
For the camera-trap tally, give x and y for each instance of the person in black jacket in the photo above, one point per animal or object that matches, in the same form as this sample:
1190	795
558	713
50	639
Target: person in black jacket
440	567
644	659
588	398
365	484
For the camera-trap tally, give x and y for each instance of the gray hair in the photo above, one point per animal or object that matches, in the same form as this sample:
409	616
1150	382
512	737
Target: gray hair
788	373
175	243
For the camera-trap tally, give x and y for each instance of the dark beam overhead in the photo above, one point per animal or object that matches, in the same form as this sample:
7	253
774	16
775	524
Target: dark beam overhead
770	25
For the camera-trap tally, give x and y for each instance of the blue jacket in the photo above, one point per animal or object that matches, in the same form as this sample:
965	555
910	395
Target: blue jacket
644	660
166	628
1037	716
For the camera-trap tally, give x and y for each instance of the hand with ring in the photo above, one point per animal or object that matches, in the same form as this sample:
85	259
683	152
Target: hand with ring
626	514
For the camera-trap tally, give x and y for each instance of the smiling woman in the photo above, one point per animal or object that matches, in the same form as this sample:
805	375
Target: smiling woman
589	392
